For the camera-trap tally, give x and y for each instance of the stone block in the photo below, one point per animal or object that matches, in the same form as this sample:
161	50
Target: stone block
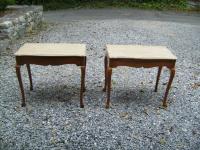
14	28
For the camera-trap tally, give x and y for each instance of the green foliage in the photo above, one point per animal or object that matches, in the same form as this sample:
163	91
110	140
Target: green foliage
4	3
62	4
22	2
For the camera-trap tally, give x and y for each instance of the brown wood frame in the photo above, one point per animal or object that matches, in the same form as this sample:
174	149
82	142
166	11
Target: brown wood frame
110	63
50	60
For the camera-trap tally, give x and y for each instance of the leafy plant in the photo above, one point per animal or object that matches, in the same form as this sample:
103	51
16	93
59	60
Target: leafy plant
4	3
62	4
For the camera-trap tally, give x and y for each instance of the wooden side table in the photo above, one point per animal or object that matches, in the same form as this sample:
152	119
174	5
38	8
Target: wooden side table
138	56
51	54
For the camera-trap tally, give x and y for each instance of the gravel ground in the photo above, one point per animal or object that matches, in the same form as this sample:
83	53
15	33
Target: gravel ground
136	120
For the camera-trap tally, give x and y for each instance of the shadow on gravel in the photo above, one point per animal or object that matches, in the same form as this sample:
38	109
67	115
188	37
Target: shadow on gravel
140	97
56	93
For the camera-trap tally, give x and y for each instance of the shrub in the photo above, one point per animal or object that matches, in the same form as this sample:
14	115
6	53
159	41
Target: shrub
23	2
60	4
4	3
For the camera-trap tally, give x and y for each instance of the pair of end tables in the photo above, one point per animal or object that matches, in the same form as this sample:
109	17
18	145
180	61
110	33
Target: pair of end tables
116	55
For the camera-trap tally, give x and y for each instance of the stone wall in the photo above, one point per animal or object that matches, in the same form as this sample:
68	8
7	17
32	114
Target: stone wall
23	19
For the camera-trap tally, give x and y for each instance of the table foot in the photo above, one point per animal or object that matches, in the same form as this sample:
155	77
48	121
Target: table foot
23	105
107	105
165	104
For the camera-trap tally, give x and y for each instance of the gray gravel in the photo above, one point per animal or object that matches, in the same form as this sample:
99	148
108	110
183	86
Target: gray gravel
136	120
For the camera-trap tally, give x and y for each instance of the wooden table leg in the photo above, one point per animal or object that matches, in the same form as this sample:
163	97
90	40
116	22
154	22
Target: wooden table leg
82	85
105	72
158	78
109	74
172	73
30	76
21	85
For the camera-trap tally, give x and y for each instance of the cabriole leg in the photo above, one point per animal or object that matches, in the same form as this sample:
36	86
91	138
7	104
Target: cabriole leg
158	78
172	73
109	74
21	85
30	76
105	72
82	85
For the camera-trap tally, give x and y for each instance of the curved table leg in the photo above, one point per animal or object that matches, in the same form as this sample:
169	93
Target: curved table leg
158	78
82	86
29	75
172	73
109	74
105	71
21	85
